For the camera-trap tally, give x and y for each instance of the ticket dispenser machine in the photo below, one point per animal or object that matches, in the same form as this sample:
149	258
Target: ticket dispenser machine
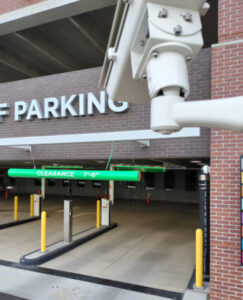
105	212
37	205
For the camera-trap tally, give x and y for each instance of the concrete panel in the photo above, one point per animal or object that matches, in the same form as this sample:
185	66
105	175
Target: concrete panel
47	11
39	286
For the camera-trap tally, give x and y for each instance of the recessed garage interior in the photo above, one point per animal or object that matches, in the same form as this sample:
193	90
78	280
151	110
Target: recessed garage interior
153	244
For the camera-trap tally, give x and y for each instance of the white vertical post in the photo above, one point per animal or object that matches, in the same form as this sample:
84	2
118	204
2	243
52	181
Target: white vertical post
43	186
111	187
68	221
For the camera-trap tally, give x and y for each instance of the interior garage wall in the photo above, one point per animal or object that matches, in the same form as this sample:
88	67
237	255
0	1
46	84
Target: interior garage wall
178	194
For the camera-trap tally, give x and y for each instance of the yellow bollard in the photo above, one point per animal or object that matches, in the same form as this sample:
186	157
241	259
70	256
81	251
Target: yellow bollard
43	231
98	213
31	205
199	258
16	200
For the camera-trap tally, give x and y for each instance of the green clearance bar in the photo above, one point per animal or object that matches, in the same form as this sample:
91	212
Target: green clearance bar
73	174
141	168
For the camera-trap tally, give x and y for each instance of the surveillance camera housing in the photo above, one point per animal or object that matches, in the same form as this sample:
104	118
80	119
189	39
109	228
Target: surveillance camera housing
152	41
151	45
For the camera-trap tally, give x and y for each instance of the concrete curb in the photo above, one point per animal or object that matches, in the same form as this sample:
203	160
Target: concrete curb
15	223
46	256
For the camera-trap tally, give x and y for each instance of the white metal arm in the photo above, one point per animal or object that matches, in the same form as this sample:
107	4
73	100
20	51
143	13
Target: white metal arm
170	113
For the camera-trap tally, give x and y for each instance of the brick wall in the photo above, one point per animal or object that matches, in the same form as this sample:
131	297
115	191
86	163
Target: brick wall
11	5
230	20
226	280
138	117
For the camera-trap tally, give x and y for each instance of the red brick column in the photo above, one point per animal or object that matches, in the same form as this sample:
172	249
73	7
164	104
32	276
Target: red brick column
10	5
226	147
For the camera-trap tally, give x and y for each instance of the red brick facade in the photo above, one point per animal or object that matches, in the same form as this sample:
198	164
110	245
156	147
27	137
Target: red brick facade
226	280
230	20
11	5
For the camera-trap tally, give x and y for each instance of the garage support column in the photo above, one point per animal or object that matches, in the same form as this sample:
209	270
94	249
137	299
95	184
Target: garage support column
68	221
204	202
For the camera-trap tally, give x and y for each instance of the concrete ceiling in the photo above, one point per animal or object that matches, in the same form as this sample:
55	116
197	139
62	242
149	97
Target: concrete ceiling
74	43
174	164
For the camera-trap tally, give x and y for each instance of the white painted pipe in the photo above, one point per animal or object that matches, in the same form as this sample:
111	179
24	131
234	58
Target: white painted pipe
171	113
223	113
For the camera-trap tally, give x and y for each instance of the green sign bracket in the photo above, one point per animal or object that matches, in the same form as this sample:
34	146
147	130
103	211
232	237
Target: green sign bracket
141	168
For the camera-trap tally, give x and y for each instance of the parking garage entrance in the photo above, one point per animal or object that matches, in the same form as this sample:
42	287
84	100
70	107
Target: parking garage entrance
153	244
